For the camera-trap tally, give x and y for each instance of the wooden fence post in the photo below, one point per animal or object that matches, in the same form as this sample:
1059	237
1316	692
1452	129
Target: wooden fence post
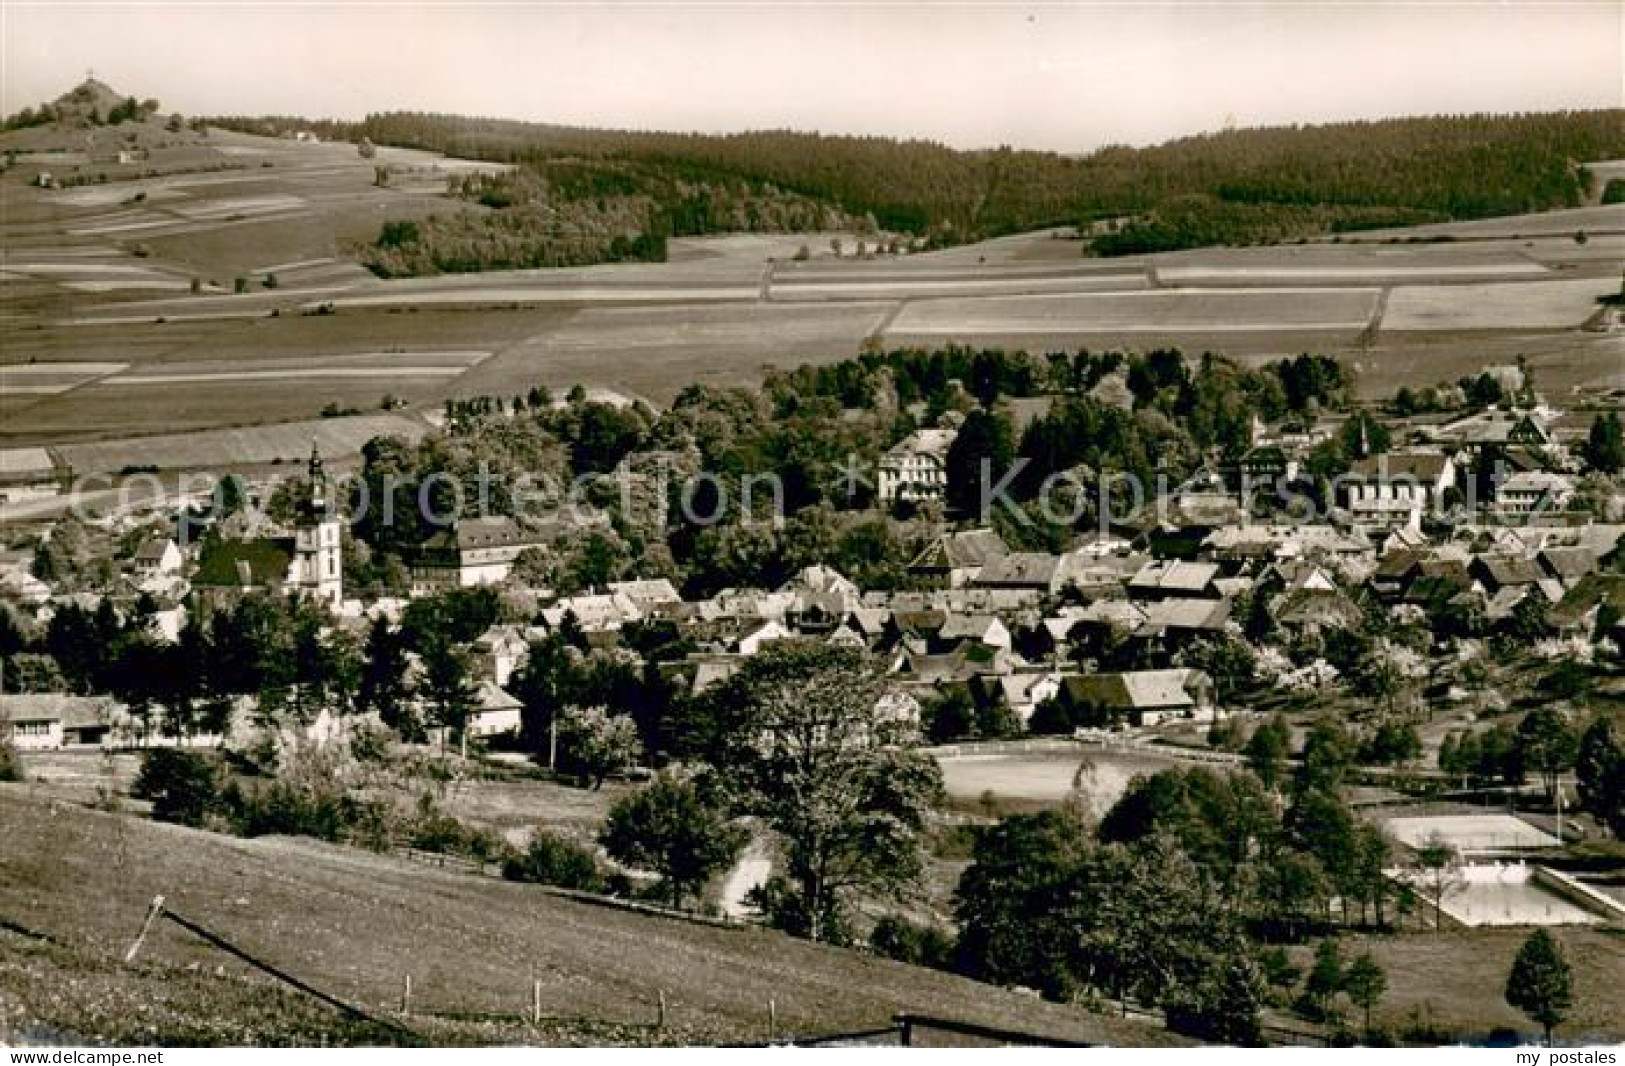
660	1019
406	996
153	912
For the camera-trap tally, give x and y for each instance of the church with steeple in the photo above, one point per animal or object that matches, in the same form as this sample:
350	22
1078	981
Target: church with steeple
308	563
317	570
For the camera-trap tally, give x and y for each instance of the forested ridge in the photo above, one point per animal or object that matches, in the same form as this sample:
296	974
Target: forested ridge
1233	187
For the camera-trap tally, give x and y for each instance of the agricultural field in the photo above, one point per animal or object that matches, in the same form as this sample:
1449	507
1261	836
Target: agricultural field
1028	777
250	445
1457	980
101	276
1338	265
354	924
654	352
1196	312
1505	305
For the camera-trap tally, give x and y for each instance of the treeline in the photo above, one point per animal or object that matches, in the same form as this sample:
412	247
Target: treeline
1234	187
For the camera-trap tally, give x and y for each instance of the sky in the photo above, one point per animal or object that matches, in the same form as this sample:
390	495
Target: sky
1068	77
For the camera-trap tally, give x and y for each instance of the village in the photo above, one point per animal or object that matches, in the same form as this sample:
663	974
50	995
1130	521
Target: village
1451	617
561	526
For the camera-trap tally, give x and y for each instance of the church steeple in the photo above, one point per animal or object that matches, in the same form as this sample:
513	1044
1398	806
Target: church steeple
318	567
320	507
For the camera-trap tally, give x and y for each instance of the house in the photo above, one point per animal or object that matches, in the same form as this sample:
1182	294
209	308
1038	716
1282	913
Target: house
1173	579
594	613
958	666
1139	697
979	628
48	721
496	712
1182	618
1498	573
1038	571
954	560
1261	468
1492	431
1568	565
158	561
916	468
1022	691
472	551
1532	492
652	596
33	726
822	598
1397	489
1315	610
500	650
762	635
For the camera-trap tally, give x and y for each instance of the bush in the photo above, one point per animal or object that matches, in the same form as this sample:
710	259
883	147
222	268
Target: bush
898	938
446	835
182	785
11	763
552	860
284	809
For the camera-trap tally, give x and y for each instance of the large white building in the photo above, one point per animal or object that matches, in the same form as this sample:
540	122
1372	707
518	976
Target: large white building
916	469
1397	489
471	551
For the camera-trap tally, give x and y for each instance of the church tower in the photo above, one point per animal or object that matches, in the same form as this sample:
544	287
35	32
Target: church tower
318	570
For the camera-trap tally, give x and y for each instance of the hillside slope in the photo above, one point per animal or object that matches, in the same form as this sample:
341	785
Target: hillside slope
354	924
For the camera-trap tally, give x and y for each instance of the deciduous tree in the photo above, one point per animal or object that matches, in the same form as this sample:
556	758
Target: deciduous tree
1540	983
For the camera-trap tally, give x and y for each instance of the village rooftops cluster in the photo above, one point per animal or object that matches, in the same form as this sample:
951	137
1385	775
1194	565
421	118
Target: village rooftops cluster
1111	621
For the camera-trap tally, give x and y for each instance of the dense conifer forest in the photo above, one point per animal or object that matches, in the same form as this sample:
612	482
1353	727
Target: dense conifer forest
1235	187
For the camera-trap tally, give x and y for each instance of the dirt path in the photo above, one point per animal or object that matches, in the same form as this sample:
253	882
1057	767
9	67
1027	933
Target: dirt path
753	869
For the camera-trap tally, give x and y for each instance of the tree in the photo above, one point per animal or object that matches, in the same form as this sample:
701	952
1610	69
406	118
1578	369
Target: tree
1547	745
1227	658
596	743
812	739
448	687
1267	750
1540	983
1529	620
670	828
980	454
385	689
1328	752
1018	904
11	763
181	784
1325	979
1605	444
1365	982
1437	860
1600	774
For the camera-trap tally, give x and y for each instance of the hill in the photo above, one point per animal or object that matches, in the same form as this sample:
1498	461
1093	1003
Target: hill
75	884
89	104
1240	186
